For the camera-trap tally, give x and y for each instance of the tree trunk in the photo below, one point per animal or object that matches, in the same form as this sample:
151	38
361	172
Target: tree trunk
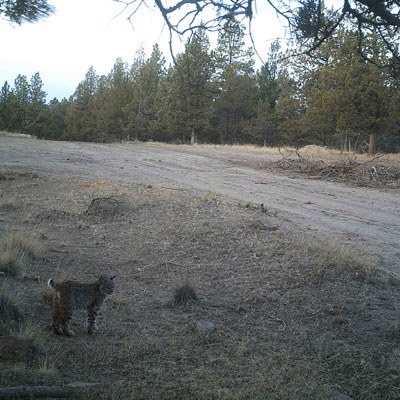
193	137
372	144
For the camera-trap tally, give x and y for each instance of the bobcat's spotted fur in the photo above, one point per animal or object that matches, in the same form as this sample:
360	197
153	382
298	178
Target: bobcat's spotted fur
69	296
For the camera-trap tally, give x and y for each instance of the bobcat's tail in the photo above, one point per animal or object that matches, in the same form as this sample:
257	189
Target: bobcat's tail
51	283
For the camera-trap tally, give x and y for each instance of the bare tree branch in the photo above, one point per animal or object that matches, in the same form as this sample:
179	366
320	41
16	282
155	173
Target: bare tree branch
307	20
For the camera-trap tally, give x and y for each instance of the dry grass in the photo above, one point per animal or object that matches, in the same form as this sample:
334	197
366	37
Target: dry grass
16	251
309	151
325	152
10	315
15	134
11	264
330	259
184	295
295	318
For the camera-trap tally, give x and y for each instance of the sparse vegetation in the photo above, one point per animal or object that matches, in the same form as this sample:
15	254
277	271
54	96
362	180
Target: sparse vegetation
10	316
16	251
11	264
295	318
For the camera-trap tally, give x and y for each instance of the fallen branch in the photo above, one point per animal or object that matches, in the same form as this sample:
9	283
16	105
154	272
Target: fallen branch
373	159
30	392
31	278
283	156
23	392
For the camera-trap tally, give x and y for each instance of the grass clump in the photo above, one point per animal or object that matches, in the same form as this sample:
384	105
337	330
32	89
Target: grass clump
184	295
329	260
16	252
11	264
10	316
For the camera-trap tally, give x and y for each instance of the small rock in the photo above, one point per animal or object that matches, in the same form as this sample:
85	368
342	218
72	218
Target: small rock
205	328
338	396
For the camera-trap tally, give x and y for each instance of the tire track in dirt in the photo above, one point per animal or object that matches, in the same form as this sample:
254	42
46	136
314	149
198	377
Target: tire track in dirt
358	217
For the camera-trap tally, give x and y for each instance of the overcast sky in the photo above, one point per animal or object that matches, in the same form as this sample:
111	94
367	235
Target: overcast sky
90	32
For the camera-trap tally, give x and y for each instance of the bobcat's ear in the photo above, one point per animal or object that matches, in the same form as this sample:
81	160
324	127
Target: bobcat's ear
113	277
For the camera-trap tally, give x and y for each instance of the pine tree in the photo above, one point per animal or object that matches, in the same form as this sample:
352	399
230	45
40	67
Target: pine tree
5	107
190	90
289	110
236	100
231	49
36	111
55	125
21	102
142	111
111	98
265	127
81	118
25	11
350	100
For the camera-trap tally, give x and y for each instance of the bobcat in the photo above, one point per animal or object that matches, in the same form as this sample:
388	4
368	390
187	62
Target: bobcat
69	296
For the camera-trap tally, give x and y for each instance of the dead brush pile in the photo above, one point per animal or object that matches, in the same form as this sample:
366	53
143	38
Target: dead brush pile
372	173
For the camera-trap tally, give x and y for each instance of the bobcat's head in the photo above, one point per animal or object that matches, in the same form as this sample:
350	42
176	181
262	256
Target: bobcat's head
106	284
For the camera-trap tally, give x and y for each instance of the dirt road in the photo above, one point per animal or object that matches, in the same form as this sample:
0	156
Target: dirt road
368	219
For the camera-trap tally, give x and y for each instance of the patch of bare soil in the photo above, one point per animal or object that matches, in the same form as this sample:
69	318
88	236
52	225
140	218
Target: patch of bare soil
284	317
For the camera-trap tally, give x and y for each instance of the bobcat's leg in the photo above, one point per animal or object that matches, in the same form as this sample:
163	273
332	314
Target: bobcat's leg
92	315
57	317
65	323
64	316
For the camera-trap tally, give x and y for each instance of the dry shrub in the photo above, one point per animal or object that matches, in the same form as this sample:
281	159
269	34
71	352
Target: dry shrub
184	295
16	251
11	264
109	207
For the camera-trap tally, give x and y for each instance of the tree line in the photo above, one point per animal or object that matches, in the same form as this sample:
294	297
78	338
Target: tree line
23	109
339	97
